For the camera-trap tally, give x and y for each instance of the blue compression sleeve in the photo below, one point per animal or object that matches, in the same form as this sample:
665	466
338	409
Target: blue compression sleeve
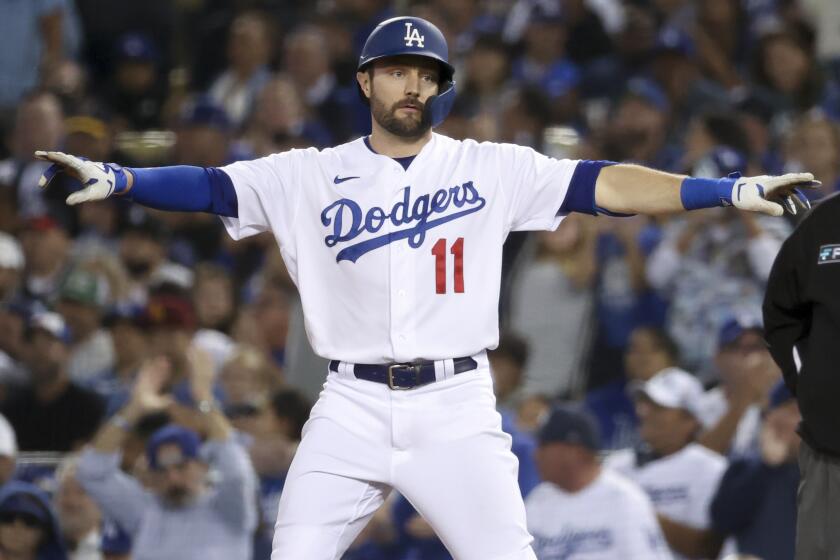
698	193
184	188
581	194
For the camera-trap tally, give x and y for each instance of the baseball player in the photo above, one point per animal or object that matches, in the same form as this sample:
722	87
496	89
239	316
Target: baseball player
395	243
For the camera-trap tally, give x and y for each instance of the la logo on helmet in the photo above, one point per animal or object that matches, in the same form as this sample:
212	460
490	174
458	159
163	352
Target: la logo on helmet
411	35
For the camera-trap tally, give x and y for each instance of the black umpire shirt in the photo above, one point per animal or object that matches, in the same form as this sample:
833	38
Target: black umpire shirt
802	311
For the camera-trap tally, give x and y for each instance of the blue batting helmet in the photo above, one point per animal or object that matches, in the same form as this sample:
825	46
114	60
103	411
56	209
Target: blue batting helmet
414	36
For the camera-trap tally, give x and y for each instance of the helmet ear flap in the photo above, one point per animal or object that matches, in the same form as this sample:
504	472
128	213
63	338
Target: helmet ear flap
438	106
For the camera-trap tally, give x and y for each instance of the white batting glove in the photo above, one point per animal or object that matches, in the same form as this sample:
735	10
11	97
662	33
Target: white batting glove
98	180
773	195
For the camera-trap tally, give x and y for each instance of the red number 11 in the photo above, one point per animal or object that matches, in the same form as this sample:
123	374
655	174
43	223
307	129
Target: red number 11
439	251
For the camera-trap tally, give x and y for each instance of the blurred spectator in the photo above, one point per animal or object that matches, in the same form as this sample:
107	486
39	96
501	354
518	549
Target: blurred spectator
756	500
551	304
707	134
275	428
731	412
45	245
214	302
143	252
813	142
38	125
415	537
32	32
306	57
649	351
116	544
131	347
544	63
721	41
507	365
8	451
710	264
623	299
13	319
136	93
82	299
204	135
638	127
182	514
11	267
583	510
785	73
271	312
52	413
248	378
487	69
79	517
679	475
281	121
28	526
249	51
88	135
676	68
170	322
523	120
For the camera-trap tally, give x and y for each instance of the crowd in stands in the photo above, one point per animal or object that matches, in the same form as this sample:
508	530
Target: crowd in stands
165	369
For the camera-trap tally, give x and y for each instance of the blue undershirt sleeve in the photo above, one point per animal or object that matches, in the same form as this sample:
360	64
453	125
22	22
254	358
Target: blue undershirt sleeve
581	194
185	188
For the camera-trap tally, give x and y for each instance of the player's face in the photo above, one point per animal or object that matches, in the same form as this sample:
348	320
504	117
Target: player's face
398	88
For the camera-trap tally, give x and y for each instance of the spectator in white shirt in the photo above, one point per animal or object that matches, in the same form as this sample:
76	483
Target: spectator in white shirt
679	475
582	511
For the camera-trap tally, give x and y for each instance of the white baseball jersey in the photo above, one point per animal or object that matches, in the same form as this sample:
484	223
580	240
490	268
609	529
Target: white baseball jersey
395	265
611	518
681	486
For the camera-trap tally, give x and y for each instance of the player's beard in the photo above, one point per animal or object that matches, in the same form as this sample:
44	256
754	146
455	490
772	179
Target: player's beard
404	127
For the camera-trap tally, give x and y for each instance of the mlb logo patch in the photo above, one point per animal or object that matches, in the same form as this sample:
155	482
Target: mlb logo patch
829	254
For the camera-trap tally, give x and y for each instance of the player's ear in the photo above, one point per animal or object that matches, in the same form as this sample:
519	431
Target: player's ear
364	78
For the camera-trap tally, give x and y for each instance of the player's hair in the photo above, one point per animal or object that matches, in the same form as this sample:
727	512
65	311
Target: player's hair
514	347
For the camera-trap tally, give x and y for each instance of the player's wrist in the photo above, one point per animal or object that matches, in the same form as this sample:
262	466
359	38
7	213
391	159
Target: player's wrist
123	179
697	193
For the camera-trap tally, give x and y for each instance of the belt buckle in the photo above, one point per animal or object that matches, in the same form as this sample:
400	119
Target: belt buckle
414	367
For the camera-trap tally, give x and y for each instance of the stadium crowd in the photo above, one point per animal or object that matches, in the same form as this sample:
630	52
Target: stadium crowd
167	367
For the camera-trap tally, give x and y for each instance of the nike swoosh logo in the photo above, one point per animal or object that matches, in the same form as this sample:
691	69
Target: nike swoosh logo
338	180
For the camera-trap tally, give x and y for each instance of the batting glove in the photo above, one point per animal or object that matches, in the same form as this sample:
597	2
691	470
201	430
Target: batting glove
772	195
98	180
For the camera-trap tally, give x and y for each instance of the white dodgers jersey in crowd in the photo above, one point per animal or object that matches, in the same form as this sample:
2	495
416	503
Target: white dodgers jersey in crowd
681	486
395	265
610	519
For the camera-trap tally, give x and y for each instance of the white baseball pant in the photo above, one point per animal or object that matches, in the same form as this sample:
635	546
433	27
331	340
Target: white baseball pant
440	445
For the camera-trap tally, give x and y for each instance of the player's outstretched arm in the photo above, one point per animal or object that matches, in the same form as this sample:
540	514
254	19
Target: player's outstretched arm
633	189
179	188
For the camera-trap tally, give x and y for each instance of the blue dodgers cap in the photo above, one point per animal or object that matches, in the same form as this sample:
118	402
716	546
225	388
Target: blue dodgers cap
735	326
650	92
566	424
136	47
206	112
114	539
26	503
186	440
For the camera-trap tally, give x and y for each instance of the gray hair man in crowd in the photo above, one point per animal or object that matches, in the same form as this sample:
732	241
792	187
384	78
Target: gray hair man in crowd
180	514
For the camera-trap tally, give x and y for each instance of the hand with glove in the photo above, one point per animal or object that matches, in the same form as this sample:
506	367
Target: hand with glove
98	180
772	195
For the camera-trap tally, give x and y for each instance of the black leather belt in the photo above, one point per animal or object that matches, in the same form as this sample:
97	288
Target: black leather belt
404	376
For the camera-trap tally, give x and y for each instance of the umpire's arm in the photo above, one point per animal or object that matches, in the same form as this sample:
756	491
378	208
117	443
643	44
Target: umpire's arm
786	314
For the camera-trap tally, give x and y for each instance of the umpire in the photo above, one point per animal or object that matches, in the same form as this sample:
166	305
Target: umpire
802	324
